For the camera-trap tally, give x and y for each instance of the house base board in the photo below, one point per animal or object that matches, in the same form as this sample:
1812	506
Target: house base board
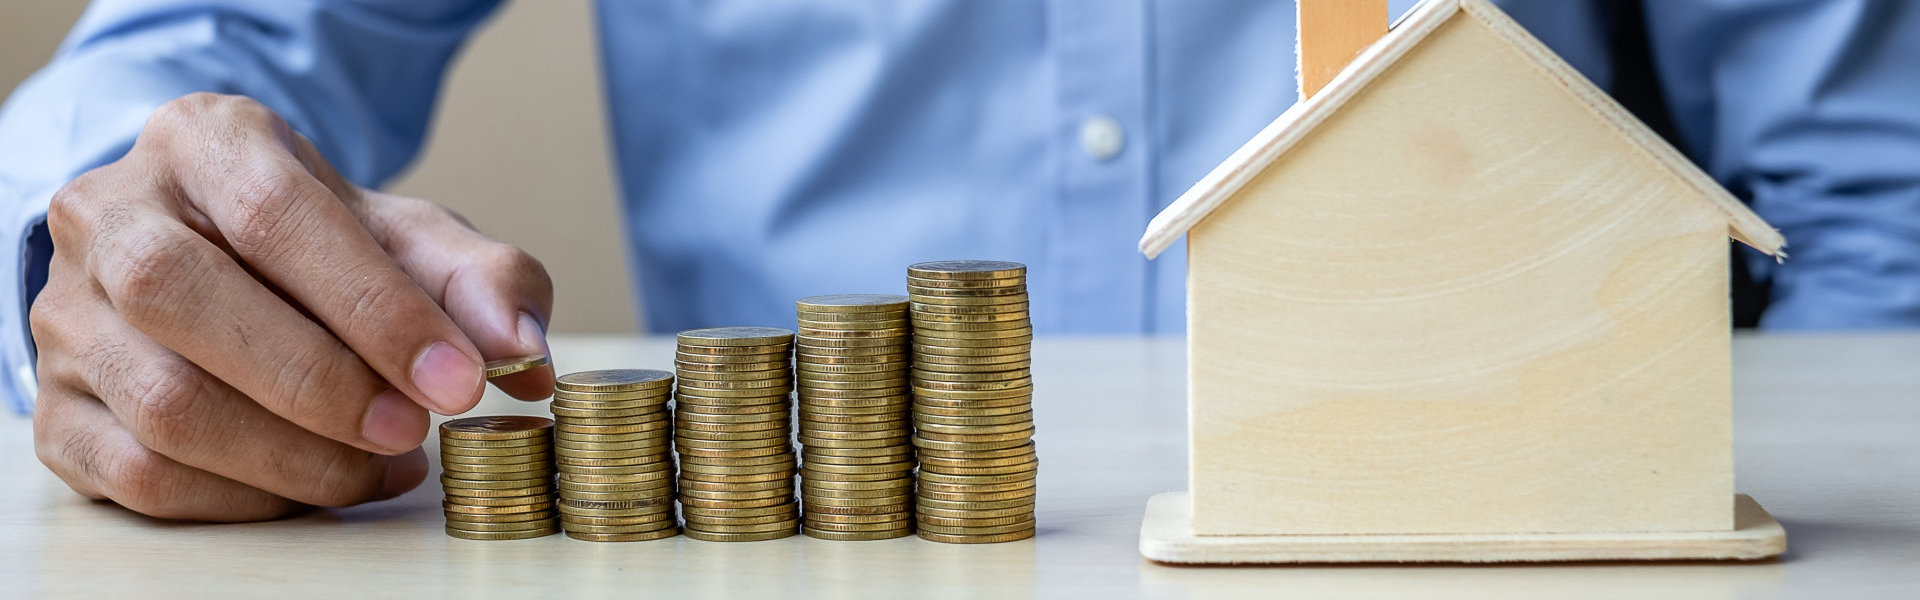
1167	536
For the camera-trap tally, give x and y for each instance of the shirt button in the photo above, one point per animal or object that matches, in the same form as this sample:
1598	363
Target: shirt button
1102	138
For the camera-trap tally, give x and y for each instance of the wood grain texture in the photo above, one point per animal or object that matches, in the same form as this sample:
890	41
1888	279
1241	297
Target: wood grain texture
1826	441
1332	33
1302	119
1522	328
1166	535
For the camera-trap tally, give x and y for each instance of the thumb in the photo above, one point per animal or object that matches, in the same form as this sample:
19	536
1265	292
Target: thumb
499	295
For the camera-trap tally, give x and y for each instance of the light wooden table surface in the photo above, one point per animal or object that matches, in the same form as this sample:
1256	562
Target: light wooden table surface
1827	429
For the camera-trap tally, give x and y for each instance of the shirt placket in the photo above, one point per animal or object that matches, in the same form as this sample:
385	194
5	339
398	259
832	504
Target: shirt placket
1099	282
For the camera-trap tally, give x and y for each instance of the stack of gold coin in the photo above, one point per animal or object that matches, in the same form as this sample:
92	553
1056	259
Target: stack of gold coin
733	429
851	357
973	401
613	445
498	476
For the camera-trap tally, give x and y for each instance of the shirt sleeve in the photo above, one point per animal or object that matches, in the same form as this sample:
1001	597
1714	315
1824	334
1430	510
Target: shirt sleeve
358	77
1810	110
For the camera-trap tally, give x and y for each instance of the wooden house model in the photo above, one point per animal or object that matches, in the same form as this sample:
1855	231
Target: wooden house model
1459	305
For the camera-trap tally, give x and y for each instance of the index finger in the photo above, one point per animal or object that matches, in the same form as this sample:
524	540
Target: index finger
296	233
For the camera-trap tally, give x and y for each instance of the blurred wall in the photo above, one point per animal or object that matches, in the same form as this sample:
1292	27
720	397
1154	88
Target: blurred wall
519	145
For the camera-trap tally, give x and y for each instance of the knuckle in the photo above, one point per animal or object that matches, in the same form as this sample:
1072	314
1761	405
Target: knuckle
143	481
516	264
164	406
142	274
264	209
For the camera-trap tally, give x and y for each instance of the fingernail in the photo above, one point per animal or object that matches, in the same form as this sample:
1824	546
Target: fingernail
404	473
393	422
533	337
447	378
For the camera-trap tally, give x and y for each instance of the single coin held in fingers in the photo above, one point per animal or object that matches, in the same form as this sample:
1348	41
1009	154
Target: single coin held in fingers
509	366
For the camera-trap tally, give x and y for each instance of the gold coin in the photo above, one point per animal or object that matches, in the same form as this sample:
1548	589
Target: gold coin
827	397
459	445
723	371
764	409
826	345
932	293
808	370
897	425
935	362
614	380
574	489
967	270
997	344
939	478
822	507
637	460
938	420
976	523
534	525
523	490
735	537
626	478
505	452
931	308
1020	525
1023	511
852	303
976	539
730	397
778	510
997	466
665	491
867	501
496	535
973	509
724	360
734	453
522	518
986	383
811	323
743	419
998	433
846	455
563	410
707	527
480	509
1008	323
905	522
497	428
614	453
776	458
869	519
975	497
735	336
705	502
509	366
995	337
614	400
591	441
576	504
783	483
665	506
963	351
926	298
925	444
656	520
902	330
624	537
532	470
967	399
856	536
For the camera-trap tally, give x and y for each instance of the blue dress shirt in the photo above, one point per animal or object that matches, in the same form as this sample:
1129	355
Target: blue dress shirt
774	149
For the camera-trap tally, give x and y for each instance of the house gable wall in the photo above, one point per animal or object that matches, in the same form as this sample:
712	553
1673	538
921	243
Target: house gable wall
1463	304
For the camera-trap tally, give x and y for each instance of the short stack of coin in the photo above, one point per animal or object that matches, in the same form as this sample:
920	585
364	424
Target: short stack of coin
973	401
851	357
733	430
498	477
613	446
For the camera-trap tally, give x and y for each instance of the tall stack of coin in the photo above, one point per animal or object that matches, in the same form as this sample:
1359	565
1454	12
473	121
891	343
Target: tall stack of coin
732	427
851	357
616	461
973	401
498	477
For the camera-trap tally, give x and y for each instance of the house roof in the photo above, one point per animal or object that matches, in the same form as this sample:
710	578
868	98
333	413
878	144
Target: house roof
1226	180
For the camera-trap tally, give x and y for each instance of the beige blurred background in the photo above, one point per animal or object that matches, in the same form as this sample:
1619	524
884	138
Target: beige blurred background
519	145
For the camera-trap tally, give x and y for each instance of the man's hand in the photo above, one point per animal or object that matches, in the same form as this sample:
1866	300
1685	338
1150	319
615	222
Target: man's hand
232	332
